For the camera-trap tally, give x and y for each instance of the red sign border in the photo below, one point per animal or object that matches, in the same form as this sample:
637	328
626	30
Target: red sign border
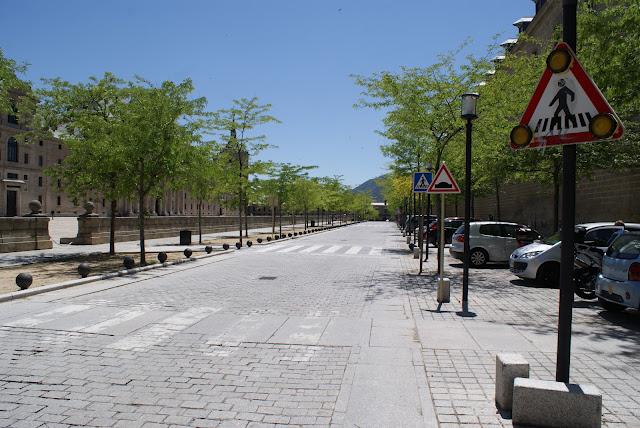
443	168
592	91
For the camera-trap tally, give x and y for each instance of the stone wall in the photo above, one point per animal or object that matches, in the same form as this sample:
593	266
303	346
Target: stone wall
95	230
24	233
607	196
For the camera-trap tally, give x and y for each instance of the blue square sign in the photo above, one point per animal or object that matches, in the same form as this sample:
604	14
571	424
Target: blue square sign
421	181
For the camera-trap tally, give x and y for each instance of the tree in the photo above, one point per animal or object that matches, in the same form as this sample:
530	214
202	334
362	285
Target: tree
11	86
86	116
204	178
236	125
158	127
284	176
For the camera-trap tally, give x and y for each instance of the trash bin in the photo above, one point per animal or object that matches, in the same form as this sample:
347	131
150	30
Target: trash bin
313	223
185	237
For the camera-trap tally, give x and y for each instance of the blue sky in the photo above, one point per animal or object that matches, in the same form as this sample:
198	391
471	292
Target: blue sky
297	55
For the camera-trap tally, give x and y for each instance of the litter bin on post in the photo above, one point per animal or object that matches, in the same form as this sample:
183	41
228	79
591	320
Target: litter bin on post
313	223
185	237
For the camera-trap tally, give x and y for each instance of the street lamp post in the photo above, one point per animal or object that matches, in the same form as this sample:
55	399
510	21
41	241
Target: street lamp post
426	255
469	101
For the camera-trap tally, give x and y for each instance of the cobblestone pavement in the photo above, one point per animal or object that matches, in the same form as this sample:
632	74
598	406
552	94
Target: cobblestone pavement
333	329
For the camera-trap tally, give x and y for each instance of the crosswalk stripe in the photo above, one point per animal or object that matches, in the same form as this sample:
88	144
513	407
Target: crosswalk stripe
289	249
118	318
312	248
47	316
353	250
271	247
375	251
332	249
162	330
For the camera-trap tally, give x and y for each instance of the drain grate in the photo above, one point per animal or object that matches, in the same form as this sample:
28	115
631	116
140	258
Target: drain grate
268	278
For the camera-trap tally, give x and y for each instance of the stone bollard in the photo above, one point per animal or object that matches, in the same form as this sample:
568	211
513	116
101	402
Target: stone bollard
84	269
508	367
408	239
416	252
544	403
24	280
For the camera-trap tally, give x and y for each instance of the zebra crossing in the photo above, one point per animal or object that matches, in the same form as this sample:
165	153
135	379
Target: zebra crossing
322	249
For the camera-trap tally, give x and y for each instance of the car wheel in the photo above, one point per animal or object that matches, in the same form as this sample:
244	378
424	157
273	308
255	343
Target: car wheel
548	274
610	306
478	257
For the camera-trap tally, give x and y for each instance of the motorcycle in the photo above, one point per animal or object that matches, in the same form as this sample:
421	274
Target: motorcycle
587	265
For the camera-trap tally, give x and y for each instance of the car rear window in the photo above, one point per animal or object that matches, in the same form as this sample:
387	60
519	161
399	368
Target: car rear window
626	246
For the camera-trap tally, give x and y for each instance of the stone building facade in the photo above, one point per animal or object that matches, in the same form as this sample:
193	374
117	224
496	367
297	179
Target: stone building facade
23	179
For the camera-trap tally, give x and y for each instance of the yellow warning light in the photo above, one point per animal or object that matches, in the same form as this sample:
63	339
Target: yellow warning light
603	125
521	136
559	60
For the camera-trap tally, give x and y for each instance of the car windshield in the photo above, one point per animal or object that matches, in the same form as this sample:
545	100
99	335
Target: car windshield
553	239
460	230
626	246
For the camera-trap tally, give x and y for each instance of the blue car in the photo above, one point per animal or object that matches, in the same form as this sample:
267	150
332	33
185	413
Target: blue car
618	286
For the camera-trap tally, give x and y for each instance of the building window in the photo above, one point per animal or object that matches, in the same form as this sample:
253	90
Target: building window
40	198
39	181
59	161
59	146
59	183
12	150
40	143
26	158
12	118
12	175
25	177
103	203
58	200
40	161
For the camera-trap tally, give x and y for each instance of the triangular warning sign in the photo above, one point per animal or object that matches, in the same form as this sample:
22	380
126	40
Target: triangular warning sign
443	182
566	108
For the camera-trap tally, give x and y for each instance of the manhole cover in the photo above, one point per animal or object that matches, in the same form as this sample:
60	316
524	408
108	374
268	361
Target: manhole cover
268	278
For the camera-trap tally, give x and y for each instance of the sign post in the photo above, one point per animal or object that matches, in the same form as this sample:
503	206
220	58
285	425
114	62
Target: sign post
567	108
443	182
421	182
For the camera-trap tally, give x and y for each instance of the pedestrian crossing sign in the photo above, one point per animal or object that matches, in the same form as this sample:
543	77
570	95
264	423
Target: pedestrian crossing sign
421	181
566	107
444	182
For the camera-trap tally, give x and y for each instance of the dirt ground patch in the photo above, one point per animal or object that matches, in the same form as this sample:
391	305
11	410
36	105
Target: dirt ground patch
59	270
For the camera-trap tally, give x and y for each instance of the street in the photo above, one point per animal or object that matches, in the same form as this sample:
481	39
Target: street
334	328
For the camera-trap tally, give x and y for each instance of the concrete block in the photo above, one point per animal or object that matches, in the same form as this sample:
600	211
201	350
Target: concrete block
508	367
444	290
408	239
416	252
544	403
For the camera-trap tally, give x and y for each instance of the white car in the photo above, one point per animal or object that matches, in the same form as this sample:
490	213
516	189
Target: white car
618	286
490	241
540	261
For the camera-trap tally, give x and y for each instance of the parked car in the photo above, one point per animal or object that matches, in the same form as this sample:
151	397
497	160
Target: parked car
540	261
414	222
618	286
451	224
491	241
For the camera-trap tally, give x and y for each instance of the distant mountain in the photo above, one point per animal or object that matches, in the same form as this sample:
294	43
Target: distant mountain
371	188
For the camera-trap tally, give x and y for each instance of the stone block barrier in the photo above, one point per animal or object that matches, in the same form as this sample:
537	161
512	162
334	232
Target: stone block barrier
24	234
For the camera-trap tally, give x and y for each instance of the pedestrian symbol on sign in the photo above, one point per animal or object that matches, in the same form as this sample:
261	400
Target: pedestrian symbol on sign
422	183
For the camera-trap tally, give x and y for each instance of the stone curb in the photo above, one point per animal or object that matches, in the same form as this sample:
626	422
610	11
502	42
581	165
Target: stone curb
72	283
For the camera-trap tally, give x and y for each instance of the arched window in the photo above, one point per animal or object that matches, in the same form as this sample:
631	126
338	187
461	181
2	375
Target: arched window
12	150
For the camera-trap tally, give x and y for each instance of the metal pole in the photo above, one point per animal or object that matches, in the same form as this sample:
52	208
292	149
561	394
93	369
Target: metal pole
420	240
426	254
568	222
441	236
414	219
467	217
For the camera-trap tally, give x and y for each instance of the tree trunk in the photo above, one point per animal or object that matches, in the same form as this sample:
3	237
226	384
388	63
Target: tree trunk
200	221
273	219
240	205
280	218
498	212
112	228
143	259
293	221
246	219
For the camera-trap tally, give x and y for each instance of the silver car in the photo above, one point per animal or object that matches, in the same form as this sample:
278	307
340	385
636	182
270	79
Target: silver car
618	286
540	261
490	241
